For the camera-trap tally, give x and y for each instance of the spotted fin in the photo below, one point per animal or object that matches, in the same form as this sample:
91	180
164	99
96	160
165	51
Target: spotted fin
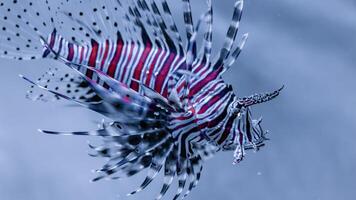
22	25
63	82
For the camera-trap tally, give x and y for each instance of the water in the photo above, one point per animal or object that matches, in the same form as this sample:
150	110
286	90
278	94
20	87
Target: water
307	45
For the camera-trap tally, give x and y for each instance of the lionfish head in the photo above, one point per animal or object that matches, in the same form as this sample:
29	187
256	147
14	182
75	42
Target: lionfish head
247	132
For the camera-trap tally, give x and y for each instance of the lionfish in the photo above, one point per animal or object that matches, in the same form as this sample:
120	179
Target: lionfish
167	103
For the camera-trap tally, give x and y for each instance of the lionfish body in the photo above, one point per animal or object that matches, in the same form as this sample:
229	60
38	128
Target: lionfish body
169	106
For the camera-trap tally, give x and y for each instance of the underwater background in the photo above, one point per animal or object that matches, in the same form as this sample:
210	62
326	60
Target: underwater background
309	46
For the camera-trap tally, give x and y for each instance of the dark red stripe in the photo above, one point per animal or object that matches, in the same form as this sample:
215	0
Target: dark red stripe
81	50
60	46
115	60
205	94
198	68
213	123
213	100
139	67
210	77
181	86
106	52
70	52
92	57
209	124
127	62
53	36
165	91
183	118
163	74
227	130
152	67
184	125
51	39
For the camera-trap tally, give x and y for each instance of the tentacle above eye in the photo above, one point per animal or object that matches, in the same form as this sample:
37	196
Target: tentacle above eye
258	98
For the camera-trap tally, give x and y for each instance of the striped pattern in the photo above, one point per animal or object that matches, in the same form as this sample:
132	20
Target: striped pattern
208	36
170	107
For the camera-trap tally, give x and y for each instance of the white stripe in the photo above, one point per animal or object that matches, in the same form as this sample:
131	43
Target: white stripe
134	63
123	60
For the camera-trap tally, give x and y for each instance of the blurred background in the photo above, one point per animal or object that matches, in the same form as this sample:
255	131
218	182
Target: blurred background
309	46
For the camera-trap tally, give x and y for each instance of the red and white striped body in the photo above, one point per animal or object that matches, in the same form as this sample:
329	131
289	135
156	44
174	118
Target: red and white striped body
151	64
169	106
